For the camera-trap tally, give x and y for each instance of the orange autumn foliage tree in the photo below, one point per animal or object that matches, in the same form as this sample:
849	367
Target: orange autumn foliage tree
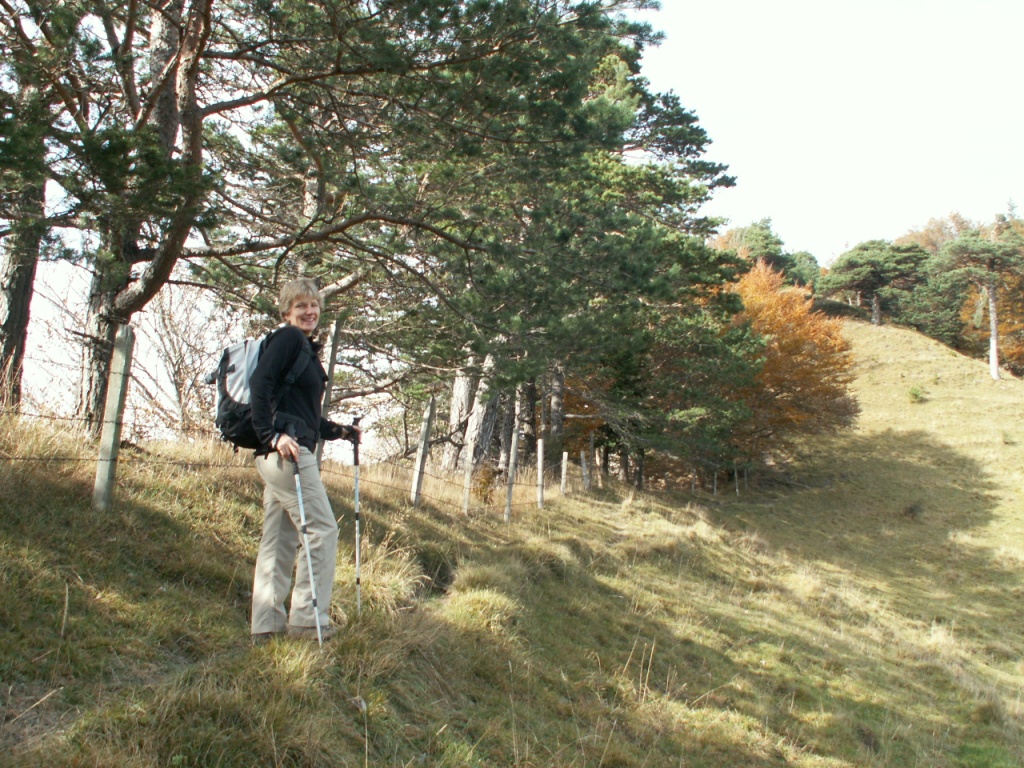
803	386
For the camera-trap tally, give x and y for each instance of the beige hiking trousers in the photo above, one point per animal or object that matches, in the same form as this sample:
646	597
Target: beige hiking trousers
281	554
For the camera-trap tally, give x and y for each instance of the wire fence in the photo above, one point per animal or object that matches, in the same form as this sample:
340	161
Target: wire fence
478	486
487	489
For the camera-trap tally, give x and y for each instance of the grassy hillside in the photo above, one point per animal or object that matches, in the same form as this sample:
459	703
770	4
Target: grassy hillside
858	607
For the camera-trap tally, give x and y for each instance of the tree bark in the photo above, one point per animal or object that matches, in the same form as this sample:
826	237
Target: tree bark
458	415
507	411
541	408
18	261
97	348
638	470
993	332
527	415
876	309
482	417
17	277
556	427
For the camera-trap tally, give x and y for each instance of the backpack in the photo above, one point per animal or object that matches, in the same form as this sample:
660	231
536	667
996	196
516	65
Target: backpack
233	409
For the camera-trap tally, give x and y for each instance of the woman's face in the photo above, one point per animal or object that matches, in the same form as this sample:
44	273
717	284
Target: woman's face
304	314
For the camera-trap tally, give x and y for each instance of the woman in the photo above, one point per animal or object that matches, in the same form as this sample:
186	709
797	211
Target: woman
287	418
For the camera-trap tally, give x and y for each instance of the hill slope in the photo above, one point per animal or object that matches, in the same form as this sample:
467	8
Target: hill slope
859	607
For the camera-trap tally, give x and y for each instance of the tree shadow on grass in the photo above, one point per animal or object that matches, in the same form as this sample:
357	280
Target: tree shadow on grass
617	670
883	528
94	601
897	509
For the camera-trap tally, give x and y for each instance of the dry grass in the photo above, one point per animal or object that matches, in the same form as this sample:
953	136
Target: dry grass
859	607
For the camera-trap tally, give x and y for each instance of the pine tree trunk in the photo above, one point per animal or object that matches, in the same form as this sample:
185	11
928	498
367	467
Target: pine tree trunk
507	411
18	260
993	333
17	277
458	415
97	348
164	41
638	470
876	309
556	429
623	464
541	409
482	417
527	414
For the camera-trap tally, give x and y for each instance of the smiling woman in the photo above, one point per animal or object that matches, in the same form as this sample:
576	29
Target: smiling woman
286	414
304	309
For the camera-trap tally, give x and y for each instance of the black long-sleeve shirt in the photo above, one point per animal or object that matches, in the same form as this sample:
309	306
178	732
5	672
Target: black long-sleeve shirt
295	410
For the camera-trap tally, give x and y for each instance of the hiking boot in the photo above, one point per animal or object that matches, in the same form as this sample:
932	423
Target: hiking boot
309	633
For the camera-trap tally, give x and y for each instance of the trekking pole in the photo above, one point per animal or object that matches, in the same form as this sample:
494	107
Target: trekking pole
309	557
355	463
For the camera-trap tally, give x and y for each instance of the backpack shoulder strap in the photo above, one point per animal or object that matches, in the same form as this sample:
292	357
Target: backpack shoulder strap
302	359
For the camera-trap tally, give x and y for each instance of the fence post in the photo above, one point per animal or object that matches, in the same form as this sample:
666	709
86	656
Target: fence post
586	473
421	452
513	460
469	452
113	413
565	469
540	472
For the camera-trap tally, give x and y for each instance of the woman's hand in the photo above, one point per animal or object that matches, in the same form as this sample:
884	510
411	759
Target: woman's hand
287	447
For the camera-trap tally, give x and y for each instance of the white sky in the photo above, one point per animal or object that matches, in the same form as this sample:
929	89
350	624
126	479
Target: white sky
850	121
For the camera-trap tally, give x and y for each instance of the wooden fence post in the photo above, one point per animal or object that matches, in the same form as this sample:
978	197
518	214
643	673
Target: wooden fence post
421	452
113	413
540	472
586	473
513	461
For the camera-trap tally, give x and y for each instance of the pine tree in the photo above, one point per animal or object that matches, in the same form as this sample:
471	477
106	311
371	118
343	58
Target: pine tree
987	260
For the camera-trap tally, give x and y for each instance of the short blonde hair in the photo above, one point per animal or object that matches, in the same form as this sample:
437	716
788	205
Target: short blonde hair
294	290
